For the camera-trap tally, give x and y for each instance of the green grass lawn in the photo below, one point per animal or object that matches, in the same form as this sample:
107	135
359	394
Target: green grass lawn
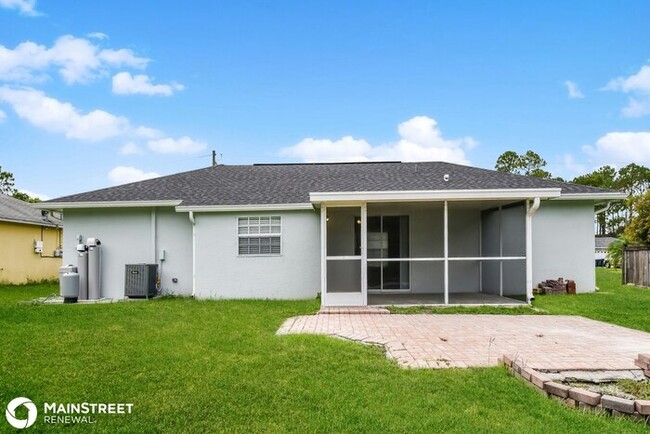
628	306
205	366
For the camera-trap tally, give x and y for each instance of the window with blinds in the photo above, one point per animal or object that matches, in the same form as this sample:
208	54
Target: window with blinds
260	235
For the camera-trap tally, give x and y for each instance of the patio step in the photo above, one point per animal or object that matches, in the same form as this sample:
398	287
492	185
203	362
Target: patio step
373	310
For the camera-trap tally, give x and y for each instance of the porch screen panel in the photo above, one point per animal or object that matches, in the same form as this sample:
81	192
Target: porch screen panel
514	278
490	232
343	250
464	232
388	237
513	223
427	278
343	276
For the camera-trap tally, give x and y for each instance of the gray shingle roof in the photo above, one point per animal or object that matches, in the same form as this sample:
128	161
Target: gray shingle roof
14	210
602	242
292	183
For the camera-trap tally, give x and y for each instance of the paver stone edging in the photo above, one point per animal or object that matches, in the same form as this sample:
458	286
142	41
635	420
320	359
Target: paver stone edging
576	397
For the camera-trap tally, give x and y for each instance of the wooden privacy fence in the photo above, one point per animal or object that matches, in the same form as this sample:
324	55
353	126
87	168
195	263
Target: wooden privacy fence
636	266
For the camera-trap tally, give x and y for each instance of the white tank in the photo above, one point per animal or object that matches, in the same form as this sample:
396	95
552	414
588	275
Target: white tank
94	269
70	287
82	263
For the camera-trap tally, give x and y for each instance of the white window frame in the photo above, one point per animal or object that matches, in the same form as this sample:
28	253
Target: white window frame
258	235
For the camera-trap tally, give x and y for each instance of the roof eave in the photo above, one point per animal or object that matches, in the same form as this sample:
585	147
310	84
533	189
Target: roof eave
107	204
252	207
434	195
31	222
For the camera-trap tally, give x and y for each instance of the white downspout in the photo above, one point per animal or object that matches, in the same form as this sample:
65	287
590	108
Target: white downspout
154	248
602	210
529	246
323	254
191	216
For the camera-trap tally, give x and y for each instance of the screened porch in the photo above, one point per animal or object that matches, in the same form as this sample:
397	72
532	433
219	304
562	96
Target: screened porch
426	252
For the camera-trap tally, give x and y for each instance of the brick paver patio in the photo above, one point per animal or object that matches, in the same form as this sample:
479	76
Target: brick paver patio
545	342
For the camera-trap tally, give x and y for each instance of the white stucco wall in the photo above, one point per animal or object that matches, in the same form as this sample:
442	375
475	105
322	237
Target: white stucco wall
174	236
126	236
222	273
563	243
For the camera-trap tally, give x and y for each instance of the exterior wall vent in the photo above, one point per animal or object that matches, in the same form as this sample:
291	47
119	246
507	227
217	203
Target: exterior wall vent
140	280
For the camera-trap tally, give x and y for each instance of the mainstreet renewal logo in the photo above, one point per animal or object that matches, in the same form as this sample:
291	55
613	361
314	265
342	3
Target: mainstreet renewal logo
10	414
69	413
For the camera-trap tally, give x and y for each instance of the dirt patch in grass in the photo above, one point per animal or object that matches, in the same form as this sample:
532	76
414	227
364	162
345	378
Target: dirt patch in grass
628	389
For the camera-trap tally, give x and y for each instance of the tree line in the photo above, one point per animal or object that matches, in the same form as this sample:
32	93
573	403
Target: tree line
629	218
7	183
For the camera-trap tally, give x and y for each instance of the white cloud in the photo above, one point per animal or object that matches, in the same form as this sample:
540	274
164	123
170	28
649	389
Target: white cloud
30	193
126	174
77	60
182	145
97	35
344	149
638	85
621	148
636	107
55	116
59	117
122	57
573	90
148	133
3	116
568	167
25	7
130	148
639	82
420	140
126	84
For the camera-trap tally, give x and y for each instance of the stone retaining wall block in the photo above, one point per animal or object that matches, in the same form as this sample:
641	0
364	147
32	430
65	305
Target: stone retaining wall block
618	404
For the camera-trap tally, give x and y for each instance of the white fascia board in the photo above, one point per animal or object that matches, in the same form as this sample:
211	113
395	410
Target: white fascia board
24	222
107	204
605	196
433	195
242	208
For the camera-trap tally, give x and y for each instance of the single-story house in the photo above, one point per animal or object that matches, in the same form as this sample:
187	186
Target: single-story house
602	246
355	233
31	242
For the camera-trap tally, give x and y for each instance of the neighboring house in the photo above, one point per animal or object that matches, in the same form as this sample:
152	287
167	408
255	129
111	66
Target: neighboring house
30	242
356	233
602	244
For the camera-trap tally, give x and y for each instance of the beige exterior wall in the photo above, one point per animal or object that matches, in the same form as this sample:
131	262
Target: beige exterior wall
18	262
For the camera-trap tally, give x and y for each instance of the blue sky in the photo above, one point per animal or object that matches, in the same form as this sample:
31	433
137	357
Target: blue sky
93	94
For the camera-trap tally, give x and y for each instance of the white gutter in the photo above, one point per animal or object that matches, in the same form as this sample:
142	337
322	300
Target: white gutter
252	207
608	195
428	195
529	246
191	216
107	204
